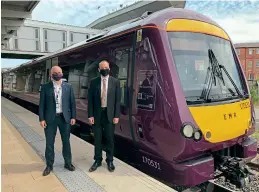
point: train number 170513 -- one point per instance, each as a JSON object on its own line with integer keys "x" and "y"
{"x": 151, "y": 163}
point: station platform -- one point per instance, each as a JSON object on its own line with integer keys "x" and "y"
{"x": 23, "y": 148}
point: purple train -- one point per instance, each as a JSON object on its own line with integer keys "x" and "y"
{"x": 185, "y": 106}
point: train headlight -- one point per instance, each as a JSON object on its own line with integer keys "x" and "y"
{"x": 187, "y": 131}
{"x": 197, "y": 135}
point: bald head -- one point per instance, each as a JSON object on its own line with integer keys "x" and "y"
{"x": 104, "y": 65}
{"x": 55, "y": 69}
{"x": 56, "y": 73}
{"x": 104, "y": 68}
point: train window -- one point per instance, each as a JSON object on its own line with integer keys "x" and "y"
{"x": 191, "y": 57}
{"x": 47, "y": 75}
{"x": 74, "y": 75}
{"x": 120, "y": 69}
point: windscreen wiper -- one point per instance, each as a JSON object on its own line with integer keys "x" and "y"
{"x": 207, "y": 84}
{"x": 216, "y": 72}
{"x": 214, "y": 61}
{"x": 212, "y": 72}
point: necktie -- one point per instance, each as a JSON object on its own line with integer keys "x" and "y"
{"x": 103, "y": 97}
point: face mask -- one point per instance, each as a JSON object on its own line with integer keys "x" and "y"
{"x": 104, "y": 72}
{"x": 57, "y": 77}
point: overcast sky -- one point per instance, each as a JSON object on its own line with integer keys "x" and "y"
{"x": 240, "y": 19}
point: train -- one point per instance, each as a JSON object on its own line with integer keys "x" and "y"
{"x": 186, "y": 108}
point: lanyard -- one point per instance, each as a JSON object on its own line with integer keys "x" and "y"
{"x": 57, "y": 94}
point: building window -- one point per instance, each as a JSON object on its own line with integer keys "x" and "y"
{"x": 250, "y": 51}
{"x": 257, "y": 63}
{"x": 16, "y": 43}
{"x": 36, "y": 33}
{"x": 257, "y": 51}
{"x": 45, "y": 34}
{"x": 37, "y": 46}
{"x": 64, "y": 45}
{"x": 46, "y": 46}
{"x": 238, "y": 51}
{"x": 71, "y": 37}
{"x": 250, "y": 64}
{"x": 251, "y": 76}
{"x": 64, "y": 36}
{"x": 87, "y": 36}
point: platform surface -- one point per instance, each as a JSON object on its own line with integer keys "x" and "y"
{"x": 21, "y": 166}
{"x": 28, "y": 136}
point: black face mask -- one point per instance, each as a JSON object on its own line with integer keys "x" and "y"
{"x": 104, "y": 72}
{"x": 57, "y": 77}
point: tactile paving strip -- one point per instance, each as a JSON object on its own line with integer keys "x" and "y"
{"x": 76, "y": 181}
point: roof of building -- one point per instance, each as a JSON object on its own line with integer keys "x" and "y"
{"x": 31, "y": 22}
{"x": 247, "y": 45}
{"x": 13, "y": 14}
{"x": 60, "y": 24}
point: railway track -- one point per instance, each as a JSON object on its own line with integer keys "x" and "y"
{"x": 210, "y": 186}
{"x": 253, "y": 166}
{"x": 216, "y": 187}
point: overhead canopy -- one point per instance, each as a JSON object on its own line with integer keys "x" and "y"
{"x": 132, "y": 12}
{"x": 13, "y": 14}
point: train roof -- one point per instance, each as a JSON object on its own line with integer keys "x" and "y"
{"x": 158, "y": 19}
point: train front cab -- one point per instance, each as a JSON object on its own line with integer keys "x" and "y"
{"x": 215, "y": 110}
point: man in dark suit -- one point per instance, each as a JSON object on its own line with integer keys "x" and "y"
{"x": 103, "y": 112}
{"x": 57, "y": 109}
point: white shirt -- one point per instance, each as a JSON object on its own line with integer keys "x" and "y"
{"x": 58, "y": 97}
{"x": 107, "y": 79}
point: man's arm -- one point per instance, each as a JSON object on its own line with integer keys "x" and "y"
{"x": 117, "y": 99}
{"x": 73, "y": 103}
{"x": 42, "y": 103}
{"x": 90, "y": 100}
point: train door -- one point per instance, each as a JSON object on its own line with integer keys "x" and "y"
{"x": 144, "y": 84}
{"x": 122, "y": 72}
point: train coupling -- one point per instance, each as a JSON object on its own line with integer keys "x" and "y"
{"x": 235, "y": 170}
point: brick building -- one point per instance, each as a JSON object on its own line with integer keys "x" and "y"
{"x": 248, "y": 54}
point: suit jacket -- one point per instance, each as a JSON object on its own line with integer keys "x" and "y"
{"x": 47, "y": 107}
{"x": 113, "y": 99}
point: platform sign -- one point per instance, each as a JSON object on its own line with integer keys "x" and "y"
{"x": 139, "y": 35}
{"x": 146, "y": 95}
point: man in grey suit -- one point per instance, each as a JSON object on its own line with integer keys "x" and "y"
{"x": 57, "y": 109}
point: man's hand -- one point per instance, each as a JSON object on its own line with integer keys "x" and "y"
{"x": 91, "y": 120}
{"x": 72, "y": 121}
{"x": 43, "y": 124}
{"x": 115, "y": 120}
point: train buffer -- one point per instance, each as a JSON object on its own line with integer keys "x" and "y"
{"x": 23, "y": 148}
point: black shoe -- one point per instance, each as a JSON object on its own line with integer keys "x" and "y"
{"x": 47, "y": 171}
{"x": 95, "y": 166}
{"x": 111, "y": 167}
{"x": 70, "y": 167}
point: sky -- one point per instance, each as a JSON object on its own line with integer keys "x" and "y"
{"x": 239, "y": 18}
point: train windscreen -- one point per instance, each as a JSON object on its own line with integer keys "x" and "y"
{"x": 206, "y": 67}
